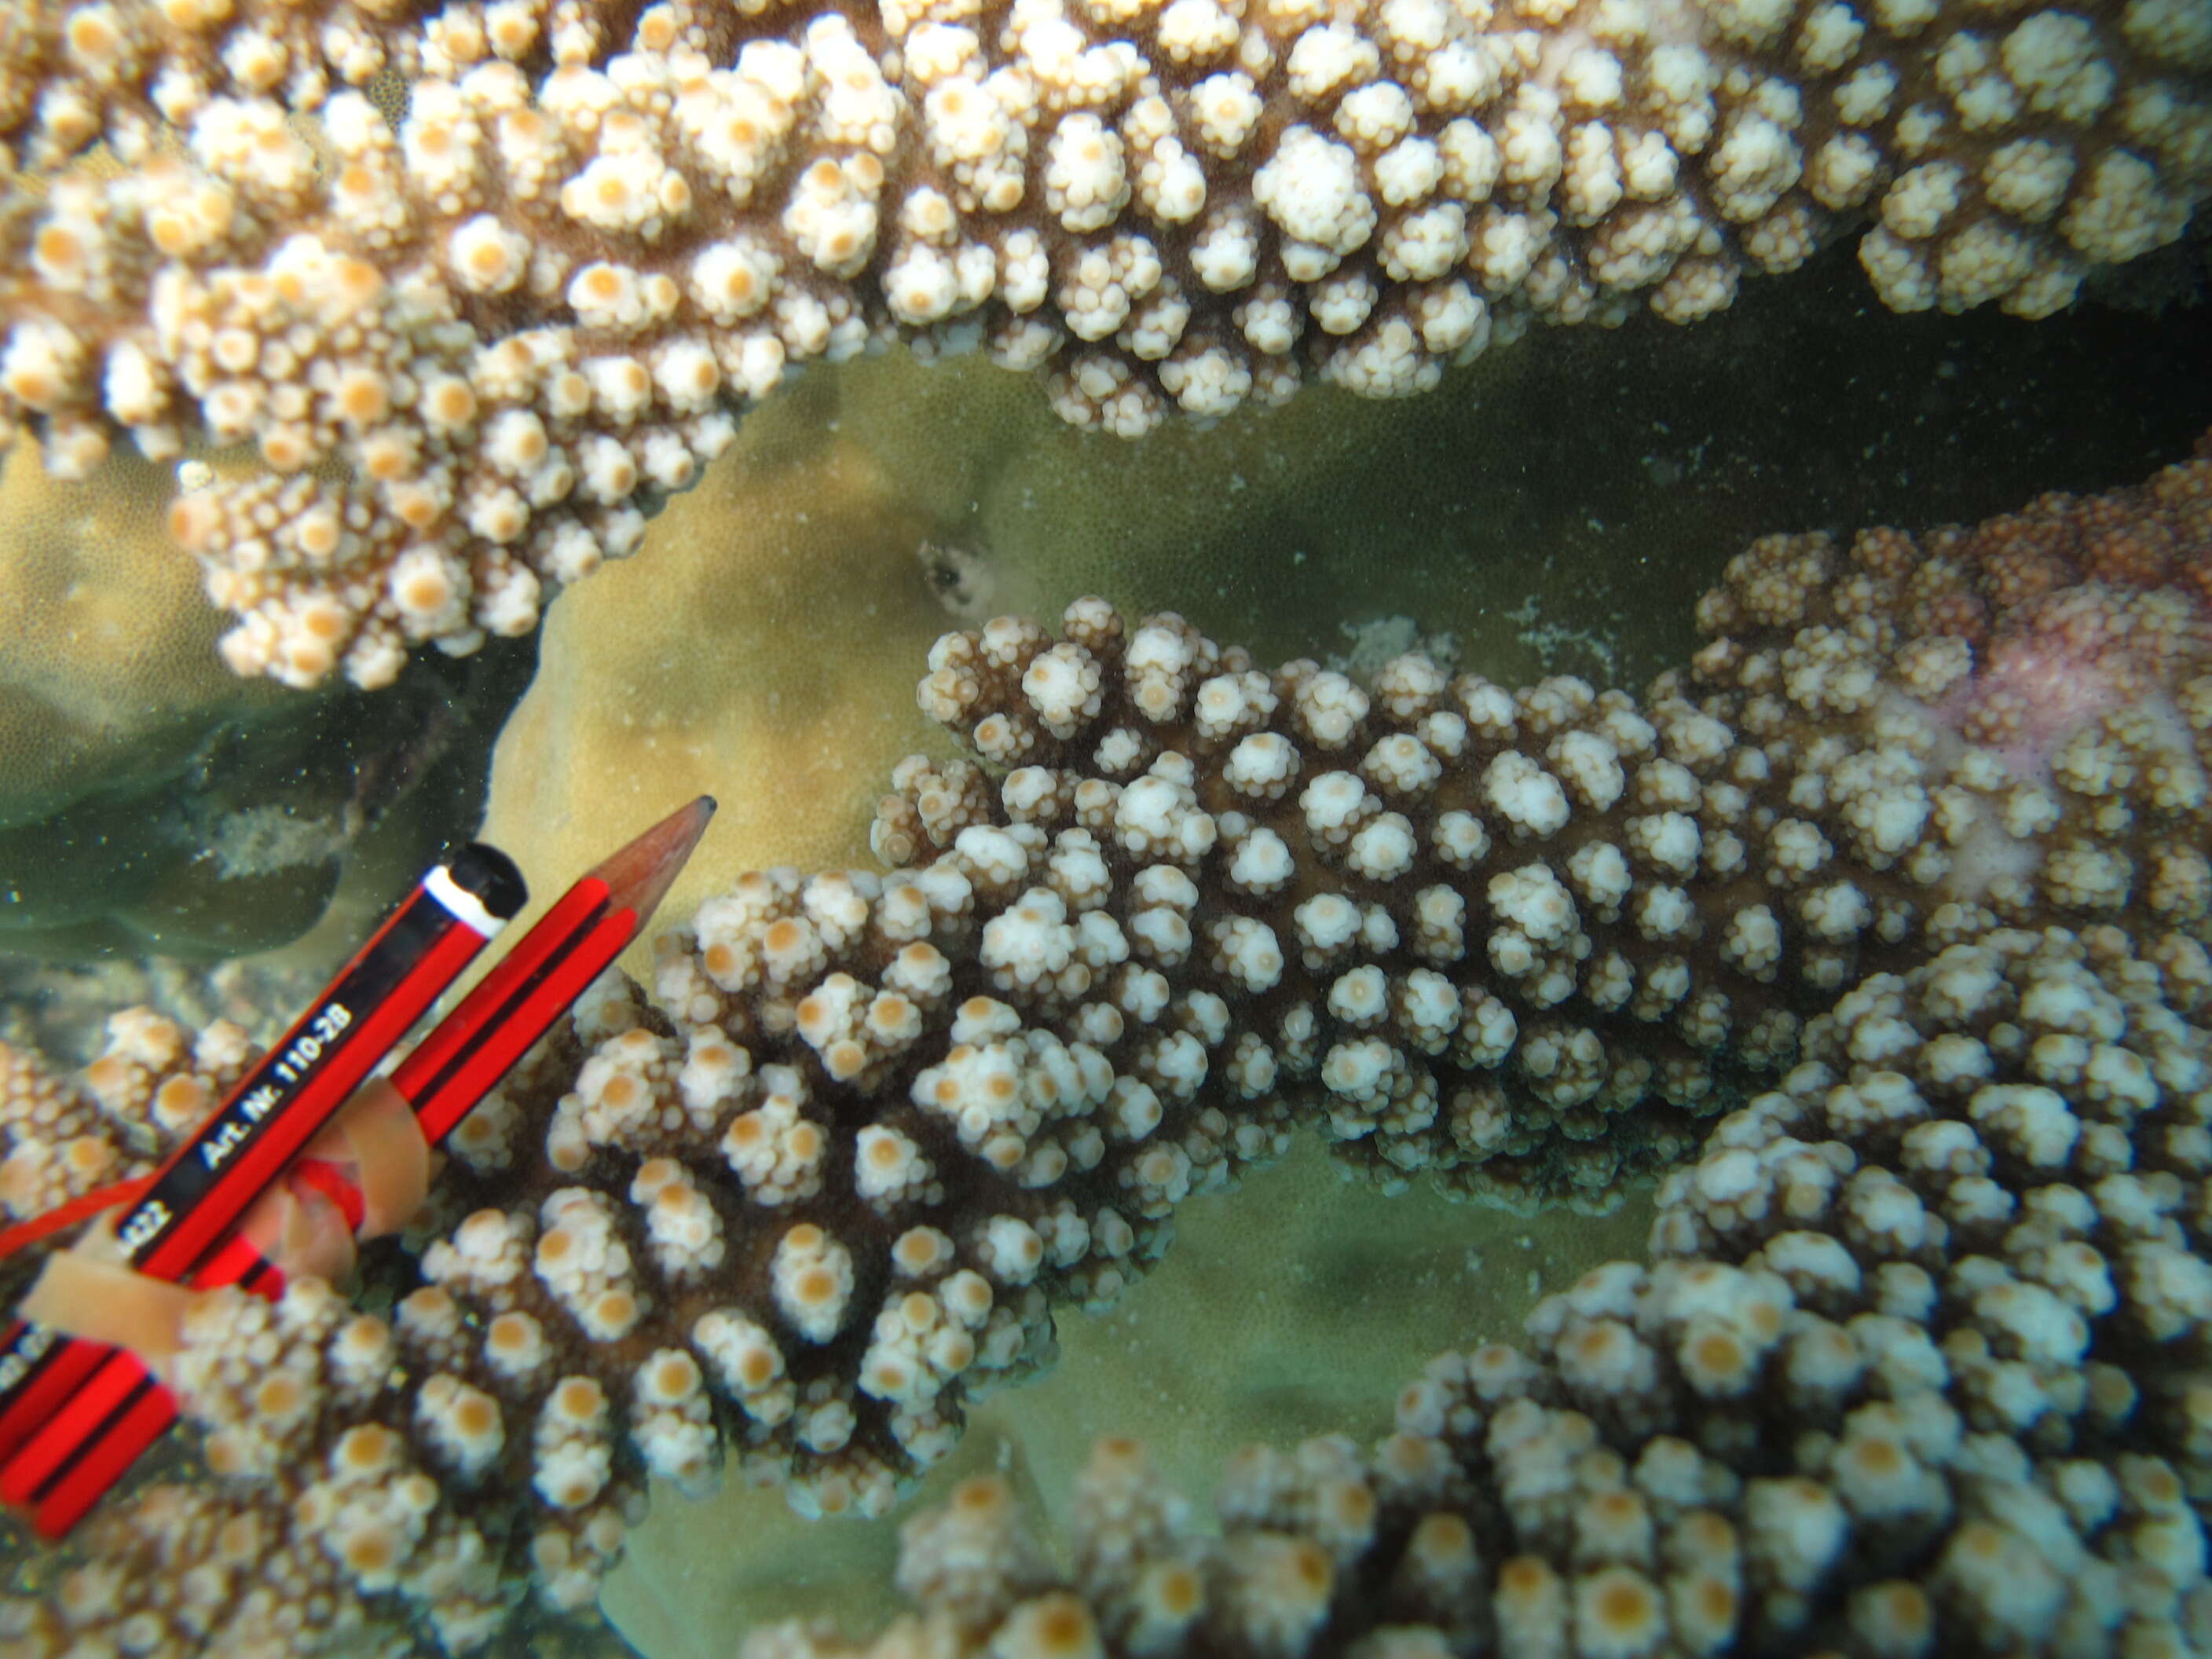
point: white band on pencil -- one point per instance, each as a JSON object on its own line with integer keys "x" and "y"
{"x": 466, "y": 906}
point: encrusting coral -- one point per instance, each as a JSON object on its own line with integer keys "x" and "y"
{"x": 1924, "y": 820}
{"x": 523, "y": 306}
{"x": 107, "y": 671}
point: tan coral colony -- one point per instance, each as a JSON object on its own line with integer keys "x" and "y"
{"x": 480, "y": 282}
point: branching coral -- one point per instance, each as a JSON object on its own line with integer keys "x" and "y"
{"x": 525, "y": 306}
{"x": 1916, "y": 1368}
{"x": 876, "y": 1126}
{"x": 150, "y": 1086}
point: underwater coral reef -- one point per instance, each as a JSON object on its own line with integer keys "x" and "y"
{"x": 1894, "y": 895}
{"x": 1911, "y": 1372}
{"x": 480, "y": 282}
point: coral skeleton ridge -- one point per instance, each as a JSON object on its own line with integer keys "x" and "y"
{"x": 1895, "y": 899}
{"x": 481, "y": 283}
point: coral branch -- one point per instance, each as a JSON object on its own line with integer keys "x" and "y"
{"x": 1915, "y": 1370}
{"x": 473, "y": 326}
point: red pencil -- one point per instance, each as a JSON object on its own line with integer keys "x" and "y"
{"x": 121, "y": 1409}
{"x": 201, "y": 1189}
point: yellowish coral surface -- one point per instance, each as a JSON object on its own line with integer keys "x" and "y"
{"x": 764, "y": 648}
{"x": 107, "y": 663}
{"x": 766, "y": 658}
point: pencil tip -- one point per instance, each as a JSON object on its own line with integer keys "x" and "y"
{"x": 639, "y": 875}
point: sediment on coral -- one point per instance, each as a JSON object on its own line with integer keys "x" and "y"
{"x": 873, "y": 1128}
{"x": 518, "y": 299}
{"x": 1916, "y": 1368}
